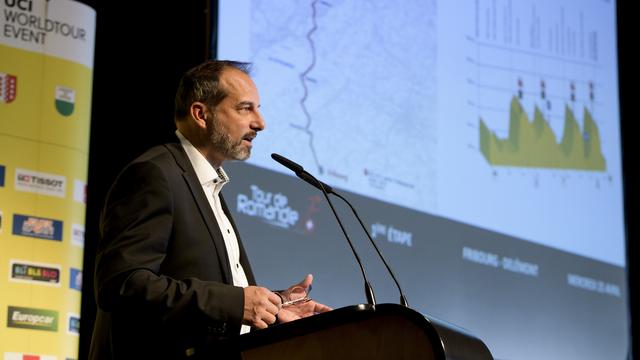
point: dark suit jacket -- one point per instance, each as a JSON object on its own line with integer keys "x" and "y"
{"x": 163, "y": 279}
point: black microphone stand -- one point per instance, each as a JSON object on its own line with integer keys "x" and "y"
{"x": 368, "y": 289}
{"x": 302, "y": 174}
{"x": 403, "y": 299}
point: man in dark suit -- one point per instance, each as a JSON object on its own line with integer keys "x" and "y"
{"x": 171, "y": 272}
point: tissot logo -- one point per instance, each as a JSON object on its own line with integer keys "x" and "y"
{"x": 8, "y": 87}
{"x": 41, "y": 228}
{"x": 270, "y": 207}
{"x": 40, "y": 183}
{"x": 24, "y": 271}
{"x": 30, "y": 318}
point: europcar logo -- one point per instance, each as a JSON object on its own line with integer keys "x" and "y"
{"x": 37, "y": 227}
{"x": 24, "y": 271}
{"x": 65, "y": 100}
{"x": 271, "y": 208}
{"x": 41, "y": 183}
{"x": 8, "y": 87}
{"x": 20, "y": 356}
{"x": 30, "y": 318}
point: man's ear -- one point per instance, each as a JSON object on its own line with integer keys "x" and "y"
{"x": 199, "y": 113}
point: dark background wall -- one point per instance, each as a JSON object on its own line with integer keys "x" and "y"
{"x": 627, "y": 61}
{"x": 142, "y": 48}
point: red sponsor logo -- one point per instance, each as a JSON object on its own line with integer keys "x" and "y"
{"x": 8, "y": 87}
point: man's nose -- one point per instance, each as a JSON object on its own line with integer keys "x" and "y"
{"x": 258, "y": 123}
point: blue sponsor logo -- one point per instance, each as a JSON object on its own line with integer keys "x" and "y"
{"x": 2, "y": 176}
{"x": 37, "y": 227}
{"x": 75, "y": 280}
{"x": 74, "y": 325}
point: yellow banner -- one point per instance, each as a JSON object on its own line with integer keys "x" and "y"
{"x": 46, "y": 69}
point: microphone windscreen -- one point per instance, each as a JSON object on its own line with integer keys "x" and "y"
{"x": 287, "y": 163}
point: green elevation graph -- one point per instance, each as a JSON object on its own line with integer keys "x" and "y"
{"x": 533, "y": 143}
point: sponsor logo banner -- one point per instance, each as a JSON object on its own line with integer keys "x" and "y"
{"x": 30, "y": 318}
{"x": 37, "y": 227}
{"x": 64, "y": 29}
{"x": 73, "y": 324}
{"x": 20, "y": 356}
{"x": 41, "y": 183}
{"x": 8, "y": 87}
{"x": 65, "y": 100}
{"x": 2, "y": 171}
{"x": 77, "y": 234}
{"x": 24, "y": 271}
{"x": 75, "y": 279}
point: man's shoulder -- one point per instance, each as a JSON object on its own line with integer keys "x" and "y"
{"x": 161, "y": 153}
{"x": 165, "y": 160}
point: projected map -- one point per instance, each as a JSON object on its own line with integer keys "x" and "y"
{"x": 490, "y": 114}
{"x": 478, "y": 139}
{"x": 349, "y": 93}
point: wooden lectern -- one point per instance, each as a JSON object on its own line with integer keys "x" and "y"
{"x": 384, "y": 331}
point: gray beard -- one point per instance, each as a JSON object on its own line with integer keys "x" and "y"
{"x": 224, "y": 143}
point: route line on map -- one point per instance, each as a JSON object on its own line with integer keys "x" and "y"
{"x": 303, "y": 80}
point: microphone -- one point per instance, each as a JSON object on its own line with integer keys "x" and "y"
{"x": 288, "y": 163}
{"x": 301, "y": 173}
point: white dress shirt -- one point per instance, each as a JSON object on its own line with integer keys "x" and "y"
{"x": 212, "y": 180}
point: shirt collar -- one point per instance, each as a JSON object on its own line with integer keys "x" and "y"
{"x": 205, "y": 172}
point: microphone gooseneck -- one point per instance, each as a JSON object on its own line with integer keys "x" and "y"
{"x": 300, "y": 172}
{"x": 403, "y": 299}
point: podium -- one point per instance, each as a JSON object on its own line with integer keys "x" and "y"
{"x": 384, "y": 331}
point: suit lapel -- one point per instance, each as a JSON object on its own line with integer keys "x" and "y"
{"x": 204, "y": 207}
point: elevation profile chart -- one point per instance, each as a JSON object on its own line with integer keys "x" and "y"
{"x": 532, "y": 143}
{"x": 531, "y": 131}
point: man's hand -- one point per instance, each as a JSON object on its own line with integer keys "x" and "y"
{"x": 260, "y": 307}
{"x": 304, "y": 309}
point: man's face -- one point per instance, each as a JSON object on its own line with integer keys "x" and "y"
{"x": 236, "y": 120}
